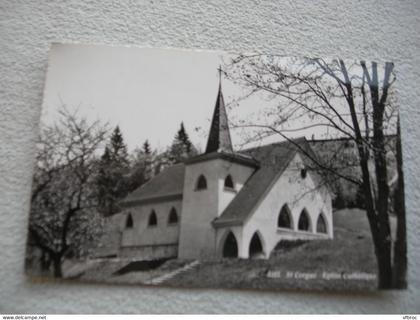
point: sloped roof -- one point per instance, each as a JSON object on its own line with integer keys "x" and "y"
{"x": 236, "y": 157}
{"x": 168, "y": 184}
{"x": 219, "y": 136}
{"x": 273, "y": 159}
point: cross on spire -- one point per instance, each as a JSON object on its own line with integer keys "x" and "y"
{"x": 220, "y": 75}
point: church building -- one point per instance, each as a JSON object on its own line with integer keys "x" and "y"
{"x": 227, "y": 203}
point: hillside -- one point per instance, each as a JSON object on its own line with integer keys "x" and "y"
{"x": 351, "y": 251}
{"x": 311, "y": 265}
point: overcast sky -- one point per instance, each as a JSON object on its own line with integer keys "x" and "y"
{"x": 147, "y": 92}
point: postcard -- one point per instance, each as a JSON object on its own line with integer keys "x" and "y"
{"x": 207, "y": 169}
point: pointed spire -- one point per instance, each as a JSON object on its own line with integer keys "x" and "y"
{"x": 219, "y": 136}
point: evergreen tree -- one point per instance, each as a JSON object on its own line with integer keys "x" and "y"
{"x": 141, "y": 166}
{"x": 146, "y": 148}
{"x": 148, "y": 161}
{"x": 112, "y": 180}
{"x": 181, "y": 148}
{"x": 118, "y": 148}
{"x": 184, "y": 138}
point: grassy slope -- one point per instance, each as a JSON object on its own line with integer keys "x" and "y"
{"x": 111, "y": 271}
{"x": 350, "y": 251}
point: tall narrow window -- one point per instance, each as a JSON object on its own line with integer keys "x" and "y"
{"x": 173, "y": 217}
{"x": 129, "y": 222}
{"x": 230, "y": 247}
{"x": 321, "y": 225}
{"x": 284, "y": 220}
{"x": 304, "y": 221}
{"x": 152, "y": 219}
{"x": 229, "y": 182}
{"x": 303, "y": 173}
{"x": 201, "y": 183}
{"x": 256, "y": 247}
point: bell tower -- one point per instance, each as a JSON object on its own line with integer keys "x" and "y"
{"x": 205, "y": 194}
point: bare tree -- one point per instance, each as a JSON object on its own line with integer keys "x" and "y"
{"x": 64, "y": 196}
{"x": 339, "y": 99}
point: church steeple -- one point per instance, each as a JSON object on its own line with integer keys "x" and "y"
{"x": 219, "y": 135}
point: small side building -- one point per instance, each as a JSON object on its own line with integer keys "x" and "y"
{"x": 153, "y": 217}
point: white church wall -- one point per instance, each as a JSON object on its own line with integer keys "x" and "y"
{"x": 144, "y": 239}
{"x": 150, "y": 252}
{"x": 239, "y": 174}
{"x": 201, "y": 207}
{"x": 298, "y": 193}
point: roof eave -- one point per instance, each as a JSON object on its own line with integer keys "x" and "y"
{"x": 233, "y": 157}
{"x": 135, "y": 202}
{"x": 226, "y": 223}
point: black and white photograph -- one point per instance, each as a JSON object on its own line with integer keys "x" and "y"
{"x": 208, "y": 169}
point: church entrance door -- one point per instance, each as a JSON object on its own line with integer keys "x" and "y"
{"x": 230, "y": 248}
{"x": 255, "y": 247}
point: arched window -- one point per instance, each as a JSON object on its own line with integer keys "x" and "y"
{"x": 230, "y": 247}
{"x": 229, "y": 182}
{"x": 256, "y": 247}
{"x": 201, "y": 183}
{"x": 152, "y": 219}
{"x": 304, "y": 221}
{"x": 303, "y": 173}
{"x": 129, "y": 222}
{"x": 284, "y": 220}
{"x": 173, "y": 217}
{"x": 321, "y": 225}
